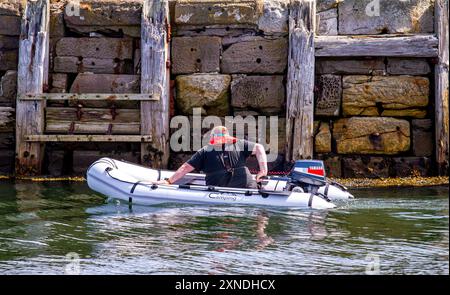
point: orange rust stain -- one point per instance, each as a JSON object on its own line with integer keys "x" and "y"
{"x": 421, "y": 82}
{"x": 86, "y": 6}
{"x": 114, "y": 84}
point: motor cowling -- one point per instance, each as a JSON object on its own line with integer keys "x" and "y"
{"x": 307, "y": 174}
{"x": 310, "y": 177}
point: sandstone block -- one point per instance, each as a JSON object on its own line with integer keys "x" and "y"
{"x": 105, "y": 83}
{"x": 333, "y": 166}
{"x": 8, "y": 87}
{"x": 7, "y": 119}
{"x": 411, "y": 166}
{"x": 244, "y": 112}
{"x": 10, "y": 25}
{"x": 328, "y": 95}
{"x": 254, "y": 128}
{"x": 203, "y": 131}
{"x": 258, "y": 55}
{"x": 106, "y": 16}
{"x": 219, "y": 31}
{"x": 322, "y": 5}
{"x": 327, "y": 22}
{"x": 275, "y": 138}
{"x": 206, "y": 91}
{"x": 368, "y": 135}
{"x": 104, "y": 48}
{"x": 57, "y": 26}
{"x": 213, "y": 12}
{"x": 422, "y": 137}
{"x": 72, "y": 64}
{"x": 322, "y": 137}
{"x": 195, "y": 54}
{"x": 9, "y": 43}
{"x": 385, "y": 96}
{"x": 274, "y": 18}
{"x": 381, "y": 17}
{"x": 413, "y": 113}
{"x": 11, "y": 7}
{"x": 354, "y": 66}
{"x": 365, "y": 167}
{"x": 110, "y": 31}
{"x": 408, "y": 66}
{"x": 59, "y": 80}
{"x": 8, "y": 60}
{"x": 58, "y": 102}
{"x": 266, "y": 94}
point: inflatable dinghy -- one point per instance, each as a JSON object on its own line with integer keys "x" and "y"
{"x": 133, "y": 183}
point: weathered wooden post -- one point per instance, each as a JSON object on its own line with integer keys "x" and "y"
{"x": 441, "y": 87}
{"x": 300, "y": 81}
{"x": 155, "y": 79}
{"x": 32, "y": 76}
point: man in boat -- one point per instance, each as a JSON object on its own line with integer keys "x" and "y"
{"x": 223, "y": 161}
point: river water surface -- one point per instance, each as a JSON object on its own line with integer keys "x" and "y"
{"x": 58, "y": 228}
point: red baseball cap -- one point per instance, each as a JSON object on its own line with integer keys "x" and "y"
{"x": 220, "y": 135}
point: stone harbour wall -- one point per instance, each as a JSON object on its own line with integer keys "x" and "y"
{"x": 374, "y": 116}
{"x": 229, "y": 58}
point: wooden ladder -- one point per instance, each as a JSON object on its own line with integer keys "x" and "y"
{"x": 33, "y": 77}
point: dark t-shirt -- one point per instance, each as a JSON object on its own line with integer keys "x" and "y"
{"x": 214, "y": 161}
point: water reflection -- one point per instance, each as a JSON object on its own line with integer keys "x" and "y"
{"x": 27, "y": 230}
{"x": 40, "y": 224}
{"x": 264, "y": 239}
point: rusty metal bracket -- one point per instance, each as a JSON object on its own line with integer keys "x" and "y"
{"x": 79, "y": 111}
{"x": 71, "y": 127}
{"x": 169, "y": 30}
{"x": 113, "y": 111}
{"x": 109, "y": 131}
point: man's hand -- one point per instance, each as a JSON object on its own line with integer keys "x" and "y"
{"x": 180, "y": 173}
{"x": 163, "y": 181}
{"x": 260, "y": 176}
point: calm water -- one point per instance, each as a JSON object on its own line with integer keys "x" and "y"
{"x": 44, "y": 226}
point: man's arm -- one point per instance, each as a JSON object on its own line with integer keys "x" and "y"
{"x": 260, "y": 153}
{"x": 180, "y": 173}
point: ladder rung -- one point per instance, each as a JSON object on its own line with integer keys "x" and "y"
{"x": 91, "y": 96}
{"x": 87, "y": 138}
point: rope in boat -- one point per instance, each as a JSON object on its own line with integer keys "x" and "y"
{"x": 283, "y": 173}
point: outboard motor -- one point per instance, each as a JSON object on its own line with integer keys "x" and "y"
{"x": 309, "y": 176}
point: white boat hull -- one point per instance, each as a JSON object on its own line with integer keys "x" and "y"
{"x": 132, "y": 183}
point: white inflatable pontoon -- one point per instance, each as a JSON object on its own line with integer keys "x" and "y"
{"x": 133, "y": 183}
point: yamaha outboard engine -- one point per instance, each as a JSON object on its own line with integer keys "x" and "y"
{"x": 308, "y": 174}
